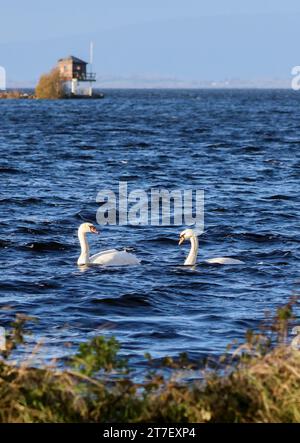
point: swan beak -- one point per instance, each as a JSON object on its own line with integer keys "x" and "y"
{"x": 181, "y": 240}
{"x": 94, "y": 230}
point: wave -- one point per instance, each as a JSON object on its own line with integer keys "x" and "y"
{"x": 258, "y": 238}
{"x": 125, "y": 300}
{"x": 48, "y": 246}
{"x": 21, "y": 202}
{"x": 280, "y": 197}
{"x": 9, "y": 170}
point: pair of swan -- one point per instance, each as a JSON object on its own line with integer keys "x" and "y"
{"x": 112, "y": 257}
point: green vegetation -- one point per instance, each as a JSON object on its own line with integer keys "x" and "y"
{"x": 258, "y": 382}
{"x": 50, "y": 86}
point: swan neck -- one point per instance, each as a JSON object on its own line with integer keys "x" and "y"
{"x": 192, "y": 257}
{"x": 84, "y": 256}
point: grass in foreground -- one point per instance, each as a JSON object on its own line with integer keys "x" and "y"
{"x": 259, "y": 382}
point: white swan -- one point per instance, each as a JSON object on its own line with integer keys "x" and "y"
{"x": 295, "y": 343}
{"x": 111, "y": 257}
{"x": 189, "y": 234}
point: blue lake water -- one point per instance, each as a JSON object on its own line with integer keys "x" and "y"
{"x": 240, "y": 147}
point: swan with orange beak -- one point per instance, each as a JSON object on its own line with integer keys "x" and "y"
{"x": 110, "y": 257}
{"x": 189, "y": 234}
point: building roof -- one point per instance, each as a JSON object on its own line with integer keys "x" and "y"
{"x": 73, "y": 59}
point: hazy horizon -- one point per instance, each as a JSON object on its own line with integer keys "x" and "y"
{"x": 198, "y": 44}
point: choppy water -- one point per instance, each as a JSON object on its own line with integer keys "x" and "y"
{"x": 241, "y": 147}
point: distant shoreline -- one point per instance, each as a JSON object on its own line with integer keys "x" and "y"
{"x": 28, "y": 94}
{"x": 30, "y": 91}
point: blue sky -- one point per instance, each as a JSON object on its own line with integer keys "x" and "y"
{"x": 188, "y": 40}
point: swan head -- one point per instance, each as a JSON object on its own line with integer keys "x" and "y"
{"x": 186, "y": 235}
{"x": 86, "y": 228}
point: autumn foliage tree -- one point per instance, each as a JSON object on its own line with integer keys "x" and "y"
{"x": 50, "y": 86}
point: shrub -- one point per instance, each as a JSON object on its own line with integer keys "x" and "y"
{"x": 259, "y": 382}
{"x": 50, "y": 86}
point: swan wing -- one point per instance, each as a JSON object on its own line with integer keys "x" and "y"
{"x": 99, "y": 254}
{"x": 112, "y": 257}
{"x": 224, "y": 261}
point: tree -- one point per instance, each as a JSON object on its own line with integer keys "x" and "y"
{"x": 50, "y": 86}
